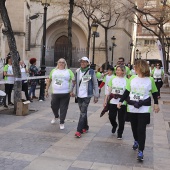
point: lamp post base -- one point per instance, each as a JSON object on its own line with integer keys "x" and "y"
{"x": 42, "y": 85}
{"x": 93, "y": 66}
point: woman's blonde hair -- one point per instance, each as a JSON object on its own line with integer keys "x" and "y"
{"x": 123, "y": 68}
{"x": 63, "y": 60}
{"x": 143, "y": 67}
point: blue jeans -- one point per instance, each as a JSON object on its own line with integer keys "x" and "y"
{"x": 83, "y": 105}
{"x": 32, "y": 90}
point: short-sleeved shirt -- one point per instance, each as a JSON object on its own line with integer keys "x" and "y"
{"x": 106, "y": 81}
{"x": 9, "y": 70}
{"x": 118, "y": 85}
{"x": 157, "y": 73}
{"x": 140, "y": 89}
{"x": 61, "y": 80}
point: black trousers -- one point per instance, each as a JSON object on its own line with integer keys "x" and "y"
{"x": 113, "y": 112}
{"x": 138, "y": 125}
{"x": 25, "y": 89}
{"x": 158, "y": 85}
{"x": 8, "y": 91}
{"x": 60, "y": 102}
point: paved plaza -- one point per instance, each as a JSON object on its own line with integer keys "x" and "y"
{"x": 32, "y": 143}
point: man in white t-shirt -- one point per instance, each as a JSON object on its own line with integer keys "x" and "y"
{"x": 86, "y": 87}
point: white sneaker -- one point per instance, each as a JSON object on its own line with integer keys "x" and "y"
{"x": 53, "y": 120}
{"x": 61, "y": 126}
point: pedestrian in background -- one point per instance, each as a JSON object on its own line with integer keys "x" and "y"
{"x": 86, "y": 87}
{"x": 33, "y": 71}
{"x": 138, "y": 96}
{"x": 24, "y": 75}
{"x": 61, "y": 79}
{"x": 9, "y": 77}
{"x": 158, "y": 74}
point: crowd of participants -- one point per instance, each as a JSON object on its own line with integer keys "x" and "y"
{"x": 127, "y": 88}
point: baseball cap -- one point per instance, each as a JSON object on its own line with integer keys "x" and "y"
{"x": 84, "y": 59}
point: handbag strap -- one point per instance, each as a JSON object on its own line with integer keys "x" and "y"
{"x": 82, "y": 76}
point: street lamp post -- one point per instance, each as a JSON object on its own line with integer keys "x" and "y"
{"x": 131, "y": 47}
{"x": 94, "y": 29}
{"x": 113, "y": 45}
{"x": 168, "y": 45}
{"x": 45, "y": 3}
{"x": 137, "y": 52}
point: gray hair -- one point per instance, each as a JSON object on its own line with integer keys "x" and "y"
{"x": 63, "y": 60}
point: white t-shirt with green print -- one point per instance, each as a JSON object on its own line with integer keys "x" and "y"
{"x": 140, "y": 89}
{"x": 118, "y": 85}
{"x": 61, "y": 80}
{"x": 106, "y": 81}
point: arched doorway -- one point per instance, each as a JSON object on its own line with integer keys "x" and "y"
{"x": 61, "y": 48}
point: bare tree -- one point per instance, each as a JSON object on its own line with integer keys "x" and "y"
{"x": 153, "y": 18}
{"x": 88, "y": 8}
{"x": 13, "y": 50}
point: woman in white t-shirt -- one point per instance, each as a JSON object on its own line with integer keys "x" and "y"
{"x": 138, "y": 96}
{"x": 61, "y": 80}
{"x": 9, "y": 77}
{"x": 158, "y": 74}
{"x": 116, "y": 89}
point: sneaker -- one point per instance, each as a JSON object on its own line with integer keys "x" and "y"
{"x": 34, "y": 97}
{"x": 114, "y": 129}
{"x": 53, "y": 120}
{"x": 10, "y": 104}
{"x": 61, "y": 126}
{"x": 84, "y": 131}
{"x": 119, "y": 136}
{"x": 78, "y": 134}
{"x": 140, "y": 156}
{"x": 135, "y": 146}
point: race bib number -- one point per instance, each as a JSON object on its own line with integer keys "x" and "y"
{"x": 118, "y": 91}
{"x": 86, "y": 78}
{"x": 136, "y": 96}
{"x": 58, "y": 82}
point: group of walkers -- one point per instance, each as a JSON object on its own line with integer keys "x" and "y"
{"x": 9, "y": 77}
{"x": 126, "y": 95}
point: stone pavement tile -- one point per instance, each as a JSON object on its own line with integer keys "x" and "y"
{"x": 161, "y": 166}
{"x": 165, "y": 161}
{"x": 101, "y": 166}
{"x": 72, "y": 142}
{"x": 74, "y": 168}
{"x": 6, "y": 120}
{"x": 17, "y": 156}
{"x": 33, "y": 144}
{"x": 141, "y": 168}
{"x": 168, "y": 135}
{"x": 162, "y": 133}
{"x": 120, "y": 167}
{"x": 62, "y": 153}
{"x": 82, "y": 164}
{"x": 161, "y": 153}
{"x": 12, "y": 164}
{"x": 48, "y": 163}
{"x": 160, "y": 139}
{"x": 116, "y": 154}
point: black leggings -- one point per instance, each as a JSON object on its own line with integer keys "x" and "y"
{"x": 8, "y": 91}
{"x": 138, "y": 125}
{"x": 113, "y": 111}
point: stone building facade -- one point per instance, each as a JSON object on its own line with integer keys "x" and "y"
{"x": 28, "y": 33}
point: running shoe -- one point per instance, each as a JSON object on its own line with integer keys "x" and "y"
{"x": 84, "y": 131}
{"x": 119, "y": 136}
{"x": 53, "y": 120}
{"x": 135, "y": 146}
{"x": 78, "y": 134}
{"x": 114, "y": 129}
{"x": 140, "y": 156}
{"x": 61, "y": 126}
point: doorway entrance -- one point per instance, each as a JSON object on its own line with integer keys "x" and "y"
{"x": 61, "y": 48}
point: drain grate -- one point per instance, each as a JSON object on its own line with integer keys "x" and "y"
{"x": 165, "y": 92}
{"x": 169, "y": 124}
{"x": 167, "y": 102}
